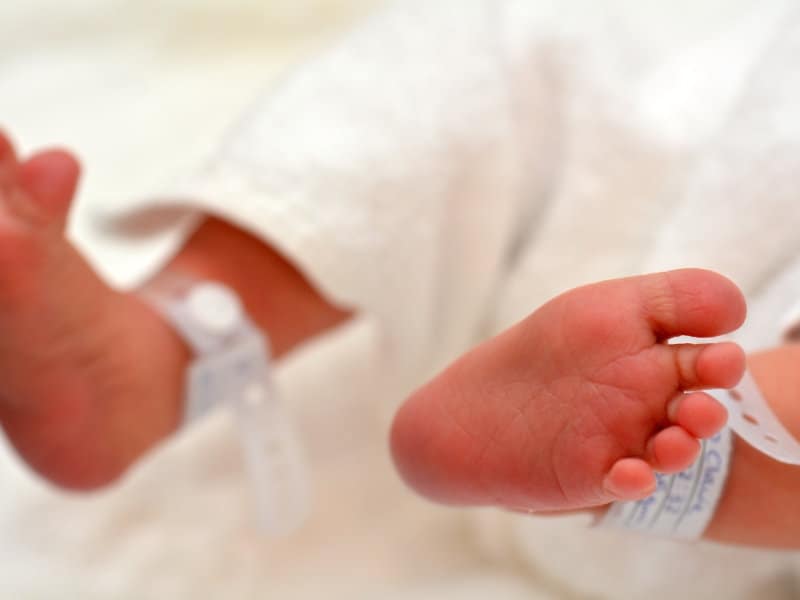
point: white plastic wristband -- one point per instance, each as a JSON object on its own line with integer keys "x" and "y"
{"x": 232, "y": 367}
{"x": 683, "y": 504}
{"x": 752, "y": 419}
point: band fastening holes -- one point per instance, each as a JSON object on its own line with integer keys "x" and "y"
{"x": 750, "y": 419}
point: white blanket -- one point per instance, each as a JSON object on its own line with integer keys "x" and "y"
{"x": 445, "y": 169}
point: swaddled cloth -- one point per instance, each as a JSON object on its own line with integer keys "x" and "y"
{"x": 452, "y": 165}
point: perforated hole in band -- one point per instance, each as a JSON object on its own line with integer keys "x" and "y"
{"x": 752, "y": 419}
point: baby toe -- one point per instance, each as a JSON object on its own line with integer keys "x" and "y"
{"x": 692, "y": 302}
{"x": 702, "y": 366}
{"x": 672, "y": 450}
{"x": 630, "y": 479}
{"x": 50, "y": 179}
{"x": 698, "y": 413}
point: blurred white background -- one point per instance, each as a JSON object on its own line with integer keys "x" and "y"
{"x": 142, "y": 90}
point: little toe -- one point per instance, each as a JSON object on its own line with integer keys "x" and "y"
{"x": 698, "y": 413}
{"x": 630, "y": 479}
{"x": 672, "y": 450}
{"x": 51, "y": 179}
{"x": 703, "y": 366}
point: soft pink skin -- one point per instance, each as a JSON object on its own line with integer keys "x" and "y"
{"x": 91, "y": 379}
{"x": 568, "y": 409}
{"x": 67, "y": 386}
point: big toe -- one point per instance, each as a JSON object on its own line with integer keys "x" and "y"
{"x": 692, "y": 302}
{"x": 51, "y": 179}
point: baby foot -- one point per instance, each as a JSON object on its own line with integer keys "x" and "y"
{"x": 37, "y": 284}
{"x": 580, "y": 403}
{"x": 70, "y": 347}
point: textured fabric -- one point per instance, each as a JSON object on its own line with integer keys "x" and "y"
{"x": 451, "y": 165}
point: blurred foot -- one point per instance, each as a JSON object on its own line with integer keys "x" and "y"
{"x": 70, "y": 347}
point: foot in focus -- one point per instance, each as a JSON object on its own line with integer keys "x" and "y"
{"x": 582, "y": 402}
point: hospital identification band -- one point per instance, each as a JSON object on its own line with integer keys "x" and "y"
{"x": 683, "y": 503}
{"x": 231, "y": 367}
